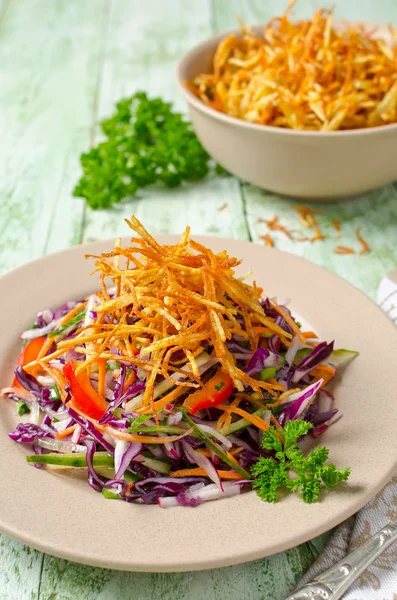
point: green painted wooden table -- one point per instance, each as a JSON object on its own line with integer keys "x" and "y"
{"x": 63, "y": 64}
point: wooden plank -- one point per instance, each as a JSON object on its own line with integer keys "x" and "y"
{"x": 268, "y": 579}
{"x": 49, "y": 52}
{"x": 254, "y": 11}
{"x": 364, "y": 10}
{"x": 4, "y": 7}
{"x": 141, "y": 53}
{"x": 257, "y": 11}
{"x": 20, "y": 570}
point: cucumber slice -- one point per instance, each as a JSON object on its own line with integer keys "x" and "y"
{"x": 341, "y": 357}
{"x": 71, "y": 460}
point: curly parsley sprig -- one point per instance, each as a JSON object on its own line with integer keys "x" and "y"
{"x": 146, "y": 142}
{"x": 291, "y": 469}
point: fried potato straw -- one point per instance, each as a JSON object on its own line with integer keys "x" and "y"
{"x": 167, "y": 304}
{"x": 307, "y": 75}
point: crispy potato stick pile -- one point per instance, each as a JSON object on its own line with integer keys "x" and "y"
{"x": 304, "y": 75}
{"x": 171, "y": 302}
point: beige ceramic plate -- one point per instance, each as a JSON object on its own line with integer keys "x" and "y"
{"x": 65, "y": 517}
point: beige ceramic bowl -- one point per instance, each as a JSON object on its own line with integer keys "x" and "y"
{"x": 314, "y": 165}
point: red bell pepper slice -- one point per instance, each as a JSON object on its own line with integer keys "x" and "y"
{"x": 84, "y": 395}
{"x": 216, "y": 390}
{"x": 28, "y": 355}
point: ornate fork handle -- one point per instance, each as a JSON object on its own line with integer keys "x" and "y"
{"x": 334, "y": 582}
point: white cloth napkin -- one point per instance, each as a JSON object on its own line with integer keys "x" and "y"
{"x": 379, "y": 581}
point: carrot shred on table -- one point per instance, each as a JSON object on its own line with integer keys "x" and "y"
{"x": 268, "y": 240}
{"x": 343, "y": 250}
{"x": 336, "y": 225}
{"x": 275, "y": 225}
{"x": 307, "y": 215}
{"x": 364, "y": 246}
{"x": 222, "y": 207}
{"x": 318, "y": 235}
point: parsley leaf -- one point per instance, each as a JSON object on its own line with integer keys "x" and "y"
{"x": 146, "y": 142}
{"x": 219, "y": 386}
{"x": 290, "y": 468}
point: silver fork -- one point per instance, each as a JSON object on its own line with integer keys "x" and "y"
{"x": 333, "y": 583}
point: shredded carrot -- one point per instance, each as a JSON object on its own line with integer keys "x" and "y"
{"x": 49, "y": 341}
{"x": 324, "y": 369}
{"x": 231, "y": 457}
{"x": 236, "y": 451}
{"x": 101, "y": 362}
{"x": 274, "y": 421}
{"x": 142, "y": 439}
{"x": 323, "y": 372}
{"x": 310, "y": 335}
{"x": 364, "y": 246}
{"x": 14, "y": 390}
{"x": 336, "y": 225}
{"x": 262, "y": 330}
{"x": 58, "y": 376}
{"x": 225, "y": 419}
{"x": 290, "y": 321}
{"x": 343, "y": 250}
{"x": 130, "y": 380}
{"x": 129, "y": 487}
{"x": 159, "y": 404}
{"x": 222, "y": 207}
{"x": 257, "y": 421}
{"x": 199, "y": 472}
{"x": 62, "y": 434}
{"x": 268, "y": 240}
